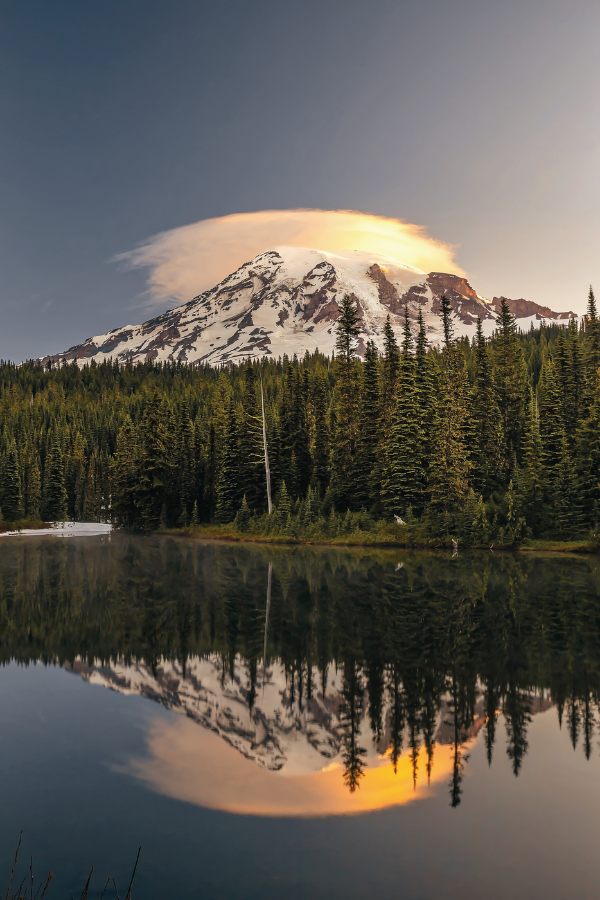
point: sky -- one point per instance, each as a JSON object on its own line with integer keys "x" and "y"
{"x": 474, "y": 124}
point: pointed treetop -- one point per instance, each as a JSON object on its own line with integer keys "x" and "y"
{"x": 407, "y": 339}
{"x": 592, "y": 312}
{"x": 448, "y": 328}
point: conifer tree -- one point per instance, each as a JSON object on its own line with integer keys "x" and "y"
{"x": 391, "y": 367}
{"x": 242, "y": 519}
{"x": 551, "y": 432}
{"x": 229, "y": 485}
{"x": 123, "y": 476}
{"x": 575, "y": 392}
{"x": 78, "y": 475}
{"x": 487, "y": 426}
{"x": 299, "y": 431}
{"x": 510, "y": 386}
{"x": 34, "y": 490}
{"x": 155, "y": 465}
{"x": 369, "y": 435}
{"x": 403, "y": 483}
{"x": 12, "y": 498}
{"x": 530, "y": 476}
{"x": 449, "y": 465}
{"x": 344, "y": 439}
{"x": 92, "y": 494}
{"x": 55, "y": 493}
{"x": 283, "y": 506}
{"x": 592, "y": 346}
{"x": 320, "y": 442}
{"x": 425, "y": 378}
{"x": 588, "y": 464}
{"x": 251, "y": 451}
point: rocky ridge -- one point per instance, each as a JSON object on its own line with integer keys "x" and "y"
{"x": 287, "y": 301}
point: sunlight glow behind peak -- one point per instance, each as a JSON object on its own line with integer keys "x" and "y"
{"x": 185, "y": 261}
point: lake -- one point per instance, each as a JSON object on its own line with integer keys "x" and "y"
{"x": 293, "y": 722}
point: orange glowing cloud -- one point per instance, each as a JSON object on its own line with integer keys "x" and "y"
{"x": 193, "y": 764}
{"x": 185, "y": 261}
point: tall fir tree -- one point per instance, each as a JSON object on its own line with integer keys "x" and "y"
{"x": 124, "y": 468}
{"x": 229, "y": 485}
{"x": 33, "y": 496}
{"x": 320, "y": 435}
{"x": 344, "y": 438}
{"x": 155, "y": 465}
{"x": 391, "y": 368}
{"x": 449, "y": 466}
{"x": 592, "y": 347}
{"x": 369, "y": 435}
{"x": 403, "y": 485}
{"x": 552, "y": 436}
{"x": 55, "y": 492}
{"x": 510, "y": 375}
{"x": 487, "y": 424}
{"x": 530, "y": 491}
{"x": 12, "y": 496}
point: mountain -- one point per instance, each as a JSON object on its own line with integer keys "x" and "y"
{"x": 286, "y": 300}
{"x": 283, "y": 731}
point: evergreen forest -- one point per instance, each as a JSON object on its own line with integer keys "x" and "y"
{"x": 485, "y": 440}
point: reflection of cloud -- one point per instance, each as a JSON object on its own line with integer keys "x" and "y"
{"x": 185, "y": 261}
{"x": 195, "y": 765}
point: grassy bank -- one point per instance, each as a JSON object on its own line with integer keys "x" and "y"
{"x": 22, "y": 524}
{"x": 384, "y": 535}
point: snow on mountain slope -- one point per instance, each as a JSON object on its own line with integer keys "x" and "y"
{"x": 283, "y": 732}
{"x": 286, "y": 301}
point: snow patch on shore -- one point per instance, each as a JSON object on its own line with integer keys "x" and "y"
{"x": 64, "y": 529}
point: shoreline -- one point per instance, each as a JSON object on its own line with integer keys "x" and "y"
{"x": 210, "y": 533}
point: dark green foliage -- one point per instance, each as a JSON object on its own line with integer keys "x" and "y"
{"x": 229, "y": 484}
{"x": 592, "y": 346}
{"x": 510, "y": 386}
{"x": 12, "y": 498}
{"x": 404, "y": 483}
{"x": 530, "y": 479}
{"x": 155, "y": 466}
{"x": 347, "y": 387}
{"x": 487, "y": 425}
{"x": 55, "y": 493}
{"x": 391, "y": 367}
{"x": 433, "y": 435}
{"x": 449, "y": 466}
{"x": 369, "y": 430}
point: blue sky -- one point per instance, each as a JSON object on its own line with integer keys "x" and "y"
{"x": 477, "y": 120}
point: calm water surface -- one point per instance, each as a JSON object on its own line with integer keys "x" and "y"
{"x": 294, "y": 722}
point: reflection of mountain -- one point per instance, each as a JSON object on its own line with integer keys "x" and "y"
{"x": 281, "y": 732}
{"x": 277, "y": 732}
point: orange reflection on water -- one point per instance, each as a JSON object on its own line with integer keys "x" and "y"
{"x": 193, "y": 764}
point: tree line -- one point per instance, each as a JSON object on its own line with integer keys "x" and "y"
{"x": 489, "y": 438}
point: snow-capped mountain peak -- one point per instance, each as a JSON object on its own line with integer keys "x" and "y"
{"x": 287, "y": 300}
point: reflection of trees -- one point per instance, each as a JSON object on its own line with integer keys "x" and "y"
{"x": 516, "y": 713}
{"x": 351, "y": 717}
{"x": 470, "y": 635}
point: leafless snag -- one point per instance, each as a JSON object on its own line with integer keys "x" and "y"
{"x": 128, "y": 897}
{"x": 87, "y": 886}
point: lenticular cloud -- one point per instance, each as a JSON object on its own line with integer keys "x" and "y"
{"x": 185, "y": 261}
